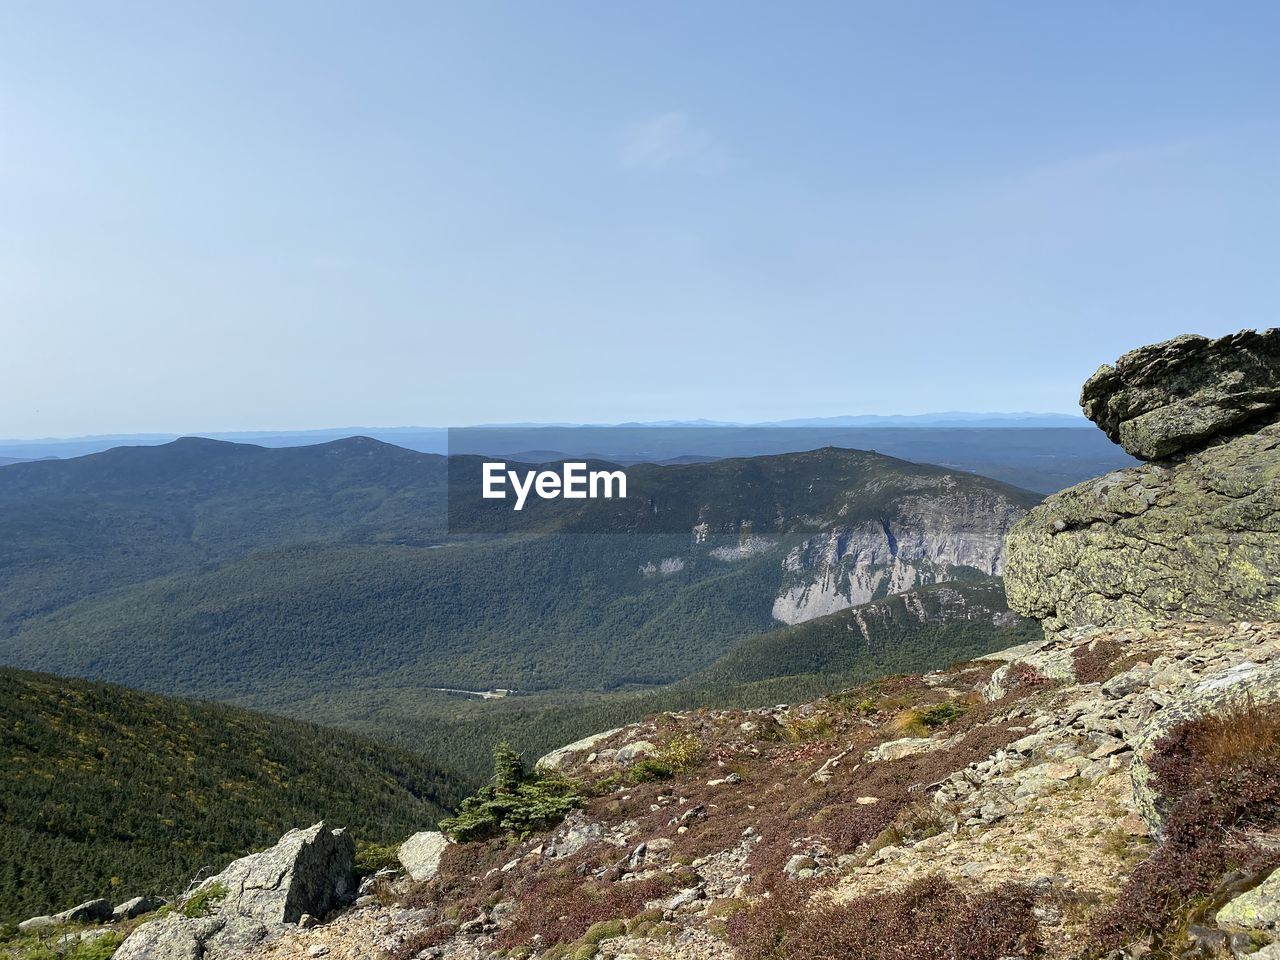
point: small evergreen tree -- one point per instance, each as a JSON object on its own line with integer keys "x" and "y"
{"x": 514, "y": 801}
{"x": 508, "y": 768}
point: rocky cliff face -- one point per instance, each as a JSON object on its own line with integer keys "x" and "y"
{"x": 942, "y": 605}
{"x": 1195, "y": 531}
{"x": 932, "y": 536}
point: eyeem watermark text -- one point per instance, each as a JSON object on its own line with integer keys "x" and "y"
{"x": 573, "y": 482}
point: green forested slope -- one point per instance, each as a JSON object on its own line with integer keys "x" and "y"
{"x": 73, "y": 529}
{"x": 273, "y": 576}
{"x": 322, "y": 583}
{"x": 925, "y": 628}
{"x": 109, "y": 792}
{"x": 545, "y": 613}
{"x": 959, "y": 622}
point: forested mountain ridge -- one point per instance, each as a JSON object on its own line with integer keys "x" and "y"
{"x": 70, "y": 529}
{"x": 106, "y": 792}
{"x": 321, "y": 582}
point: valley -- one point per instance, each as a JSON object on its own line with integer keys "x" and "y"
{"x": 311, "y": 582}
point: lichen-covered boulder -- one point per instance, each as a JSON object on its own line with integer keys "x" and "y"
{"x": 1256, "y": 909}
{"x": 1198, "y": 536}
{"x": 1161, "y": 399}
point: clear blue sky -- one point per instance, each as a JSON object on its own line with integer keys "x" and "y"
{"x": 259, "y": 215}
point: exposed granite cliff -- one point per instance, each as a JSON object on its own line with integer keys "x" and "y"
{"x": 1196, "y": 533}
{"x": 945, "y": 530}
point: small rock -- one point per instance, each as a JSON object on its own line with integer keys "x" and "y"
{"x": 420, "y": 854}
{"x": 684, "y": 898}
{"x": 1058, "y": 771}
{"x": 1106, "y": 747}
{"x": 800, "y": 867}
{"x": 91, "y": 911}
{"x": 136, "y": 908}
{"x": 897, "y": 749}
{"x": 632, "y": 752}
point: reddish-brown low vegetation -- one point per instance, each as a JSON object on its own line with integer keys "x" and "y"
{"x": 1100, "y": 661}
{"x": 773, "y": 807}
{"x": 563, "y": 907}
{"x": 1219, "y": 782}
{"x": 931, "y": 919}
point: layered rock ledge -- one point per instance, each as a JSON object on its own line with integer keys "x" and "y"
{"x": 1173, "y": 396}
{"x": 1193, "y": 535}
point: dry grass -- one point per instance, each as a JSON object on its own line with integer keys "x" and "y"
{"x": 930, "y": 920}
{"x": 1100, "y": 661}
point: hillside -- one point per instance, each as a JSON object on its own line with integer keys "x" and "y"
{"x": 112, "y": 793}
{"x": 904, "y": 633}
{"x": 75, "y": 529}
{"x": 250, "y": 575}
{"x": 981, "y": 812}
{"x": 937, "y": 624}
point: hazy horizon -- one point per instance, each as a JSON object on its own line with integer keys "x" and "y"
{"x": 945, "y": 416}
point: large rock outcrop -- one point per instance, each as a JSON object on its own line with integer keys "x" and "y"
{"x": 1196, "y": 534}
{"x": 307, "y": 872}
{"x": 1176, "y": 395}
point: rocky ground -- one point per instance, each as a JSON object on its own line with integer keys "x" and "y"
{"x": 1020, "y": 769}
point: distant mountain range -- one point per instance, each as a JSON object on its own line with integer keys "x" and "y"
{"x": 435, "y": 439}
{"x": 1041, "y": 452}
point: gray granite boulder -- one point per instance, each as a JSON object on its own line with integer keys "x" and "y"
{"x": 1196, "y": 535}
{"x": 91, "y": 911}
{"x": 559, "y": 758}
{"x": 420, "y": 855}
{"x": 308, "y": 872}
{"x": 136, "y": 907}
{"x": 1168, "y": 397}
